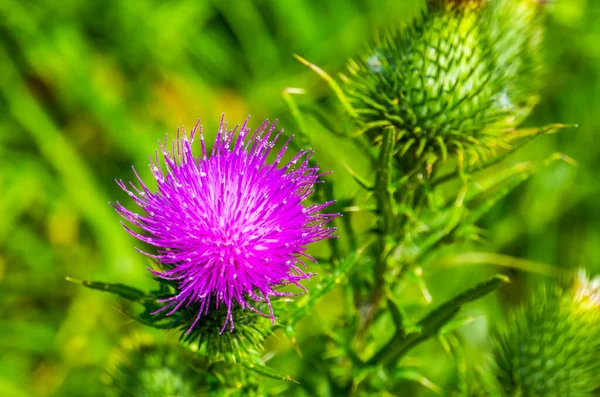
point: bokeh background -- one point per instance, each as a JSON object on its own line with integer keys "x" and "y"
{"x": 88, "y": 87}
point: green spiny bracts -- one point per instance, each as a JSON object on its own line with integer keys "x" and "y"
{"x": 550, "y": 346}
{"x": 442, "y": 82}
{"x": 145, "y": 367}
{"x": 433, "y": 80}
{"x": 243, "y": 343}
{"x": 206, "y": 336}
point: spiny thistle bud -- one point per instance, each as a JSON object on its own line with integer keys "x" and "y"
{"x": 144, "y": 367}
{"x": 451, "y": 81}
{"x": 550, "y": 346}
{"x": 230, "y": 227}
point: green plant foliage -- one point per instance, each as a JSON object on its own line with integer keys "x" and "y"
{"x": 440, "y": 174}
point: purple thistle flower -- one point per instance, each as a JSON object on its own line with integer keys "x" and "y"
{"x": 229, "y": 226}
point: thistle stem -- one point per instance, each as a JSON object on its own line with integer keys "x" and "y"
{"x": 385, "y": 204}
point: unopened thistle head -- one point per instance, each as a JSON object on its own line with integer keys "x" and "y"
{"x": 550, "y": 346}
{"x": 144, "y": 368}
{"x": 230, "y": 227}
{"x": 452, "y": 81}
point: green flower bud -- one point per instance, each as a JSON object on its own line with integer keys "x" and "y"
{"x": 452, "y": 81}
{"x": 550, "y": 346}
{"x": 143, "y": 368}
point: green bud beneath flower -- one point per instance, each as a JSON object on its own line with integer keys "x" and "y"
{"x": 146, "y": 367}
{"x": 143, "y": 368}
{"x": 550, "y": 346}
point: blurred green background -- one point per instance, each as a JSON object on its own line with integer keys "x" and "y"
{"x": 87, "y": 88}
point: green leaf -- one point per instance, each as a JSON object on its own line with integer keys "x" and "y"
{"x": 456, "y": 324}
{"x": 431, "y": 324}
{"x": 490, "y": 258}
{"x": 288, "y": 99}
{"x": 522, "y": 137}
{"x": 453, "y": 346}
{"x": 122, "y": 290}
{"x": 396, "y": 313}
{"x": 385, "y": 199}
{"x": 443, "y": 314}
{"x": 267, "y": 371}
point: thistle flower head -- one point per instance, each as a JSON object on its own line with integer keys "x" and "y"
{"x": 549, "y": 347}
{"x": 230, "y": 227}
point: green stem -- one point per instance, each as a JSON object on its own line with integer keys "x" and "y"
{"x": 385, "y": 202}
{"x": 385, "y": 205}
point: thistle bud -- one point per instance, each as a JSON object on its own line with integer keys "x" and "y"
{"x": 451, "y": 81}
{"x": 550, "y": 346}
{"x": 144, "y": 368}
{"x": 147, "y": 367}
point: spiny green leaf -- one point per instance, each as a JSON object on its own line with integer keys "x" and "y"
{"x": 519, "y": 138}
{"x": 267, "y": 371}
{"x": 359, "y": 179}
{"x": 122, "y": 290}
{"x": 437, "y": 318}
{"x": 396, "y": 313}
{"x": 431, "y": 324}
